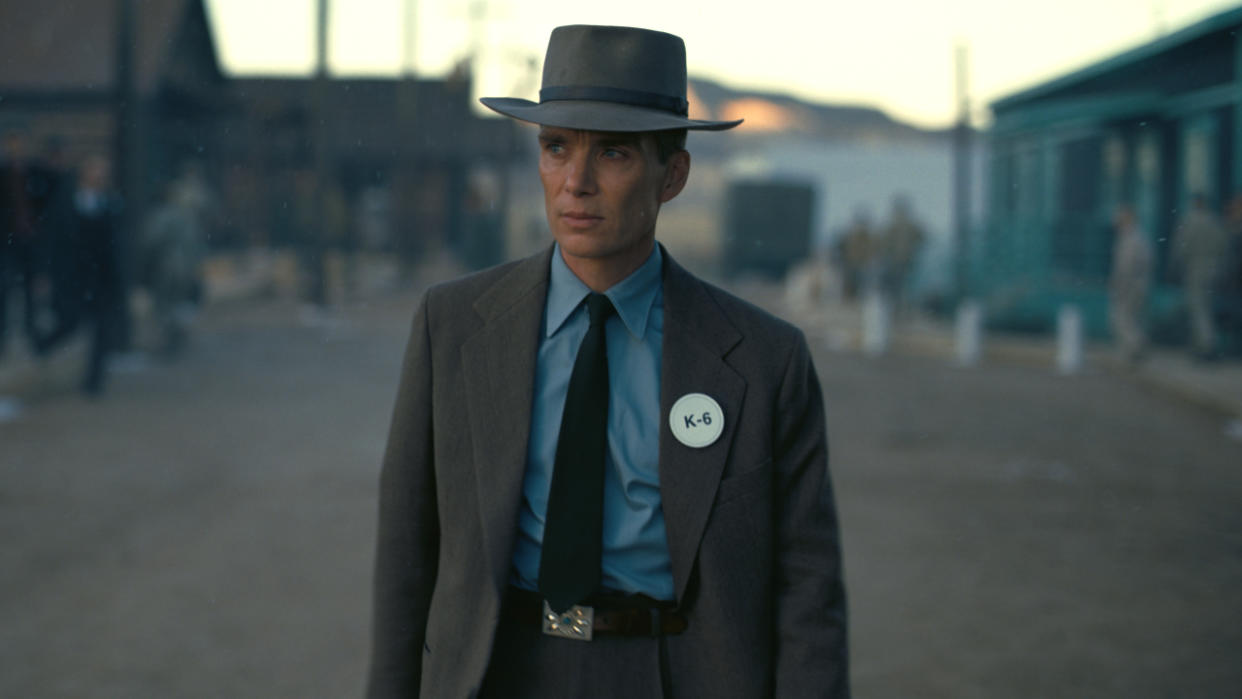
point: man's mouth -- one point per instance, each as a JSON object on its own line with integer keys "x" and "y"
{"x": 580, "y": 219}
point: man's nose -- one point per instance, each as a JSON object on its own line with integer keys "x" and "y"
{"x": 580, "y": 177}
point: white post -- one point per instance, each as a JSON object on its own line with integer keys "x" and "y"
{"x": 1069, "y": 340}
{"x": 10, "y": 409}
{"x": 969, "y": 333}
{"x": 802, "y": 289}
{"x": 876, "y": 325}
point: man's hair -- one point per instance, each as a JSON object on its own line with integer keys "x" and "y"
{"x": 669, "y": 143}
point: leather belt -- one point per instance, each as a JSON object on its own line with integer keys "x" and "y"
{"x": 617, "y": 616}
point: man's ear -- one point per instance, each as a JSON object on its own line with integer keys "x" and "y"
{"x": 675, "y": 176}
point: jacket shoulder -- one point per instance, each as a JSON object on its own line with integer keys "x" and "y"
{"x": 472, "y": 285}
{"x": 488, "y": 291}
{"x": 751, "y": 320}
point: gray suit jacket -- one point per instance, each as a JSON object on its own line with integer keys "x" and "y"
{"x": 751, "y": 526}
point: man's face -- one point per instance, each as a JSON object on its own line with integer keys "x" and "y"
{"x": 96, "y": 172}
{"x": 1123, "y": 218}
{"x": 14, "y": 146}
{"x": 603, "y": 191}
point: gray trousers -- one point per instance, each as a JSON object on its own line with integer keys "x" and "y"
{"x": 1126, "y": 314}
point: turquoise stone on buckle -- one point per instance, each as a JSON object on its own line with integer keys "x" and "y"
{"x": 574, "y": 623}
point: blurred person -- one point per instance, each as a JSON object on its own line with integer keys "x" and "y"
{"x": 56, "y": 232}
{"x": 339, "y": 231}
{"x": 543, "y": 534}
{"x": 307, "y": 236}
{"x": 174, "y": 246}
{"x": 24, "y": 191}
{"x": 322, "y": 222}
{"x": 194, "y": 193}
{"x": 1231, "y": 276}
{"x": 483, "y": 243}
{"x": 1199, "y": 244}
{"x": 856, "y": 253}
{"x": 94, "y": 292}
{"x": 900, "y": 244}
{"x": 1129, "y": 284}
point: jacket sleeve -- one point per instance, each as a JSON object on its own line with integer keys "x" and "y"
{"x": 811, "y": 636}
{"x": 409, "y": 529}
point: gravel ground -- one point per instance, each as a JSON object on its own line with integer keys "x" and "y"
{"x": 205, "y": 530}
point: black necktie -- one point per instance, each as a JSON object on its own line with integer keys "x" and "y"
{"x": 573, "y": 532}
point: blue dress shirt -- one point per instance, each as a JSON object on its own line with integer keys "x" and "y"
{"x": 635, "y": 550}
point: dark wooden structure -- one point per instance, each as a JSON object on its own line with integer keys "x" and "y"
{"x": 139, "y": 81}
{"x": 415, "y": 146}
{"x": 136, "y": 80}
{"x": 767, "y": 226}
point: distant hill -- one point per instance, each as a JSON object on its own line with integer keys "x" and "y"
{"x": 769, "y": 113}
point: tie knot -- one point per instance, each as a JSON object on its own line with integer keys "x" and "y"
{"x": 599, "y": 307}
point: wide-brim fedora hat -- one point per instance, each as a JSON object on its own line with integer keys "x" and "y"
{"x": 610, "y": 79}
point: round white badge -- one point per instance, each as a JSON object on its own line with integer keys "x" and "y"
{"x": 696, "y": 420}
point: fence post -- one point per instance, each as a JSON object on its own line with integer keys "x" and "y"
{"x": 969, "y": 333}
{"x": 877, "y": 322}
{"x": 1069, "y": 339}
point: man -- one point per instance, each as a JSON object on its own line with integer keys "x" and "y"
{"x": 1231, "y": 276}
{"x": 90, "y": 270}
{"x": 1129, "y": 284}
{"x": 858, "y": 250}
{"x": 174, "y": 244}
{"x": 901, "y": 243}
{"x": 24, "y": 191}
{"x": 606, "y": 478}
{"x": 1199, "y": 243}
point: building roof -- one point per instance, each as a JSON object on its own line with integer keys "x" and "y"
{"x": 1225, "y": 22}
{"x": 69, "y": 46}
{"x": 382, "y": 118}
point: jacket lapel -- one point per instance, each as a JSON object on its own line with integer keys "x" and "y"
{"x": 697, "y": 336}
{"x": 499, "y": 366}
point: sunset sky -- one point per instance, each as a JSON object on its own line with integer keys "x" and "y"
{"x": 895, "y": 55}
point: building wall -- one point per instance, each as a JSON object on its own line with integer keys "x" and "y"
{"x": 1152, "y": 135}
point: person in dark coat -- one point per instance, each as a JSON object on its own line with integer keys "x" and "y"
{"x": 56, "y": 234}
{"x": 1231, "y": 274}
{"x": 88, "y": 272}
{"x": 24, "y": 190}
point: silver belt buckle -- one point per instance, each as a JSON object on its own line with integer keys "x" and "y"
{"x": 574, "y": 623}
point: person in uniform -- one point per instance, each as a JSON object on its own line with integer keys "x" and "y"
{"x": 605, "y": 477}
{"x": 1129, "y": 283}
{"x": 1199, "y": 244}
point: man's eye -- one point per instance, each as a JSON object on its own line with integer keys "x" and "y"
{"x": 554, "y": 148}
{"x": 613, "y": 153}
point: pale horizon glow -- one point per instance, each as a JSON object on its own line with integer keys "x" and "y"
{"x": 896, "y": 56}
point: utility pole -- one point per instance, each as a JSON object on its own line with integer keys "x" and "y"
{"x": 317, "y": 263}
{"x": 477, "y": 14}
{"x": 409, "y": 25}
{"x": 123, "y": 96}
{"x": 961, "y": 173}
{"x": 124, "y": 148}
{"x": 402, "y": 178}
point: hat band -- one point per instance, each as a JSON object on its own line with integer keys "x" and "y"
{"x": 654, "y": 100}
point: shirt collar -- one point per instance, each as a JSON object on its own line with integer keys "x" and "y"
{"x": 633, "y": 296}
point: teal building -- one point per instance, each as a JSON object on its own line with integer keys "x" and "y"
{"x": 1151, "y": 126}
